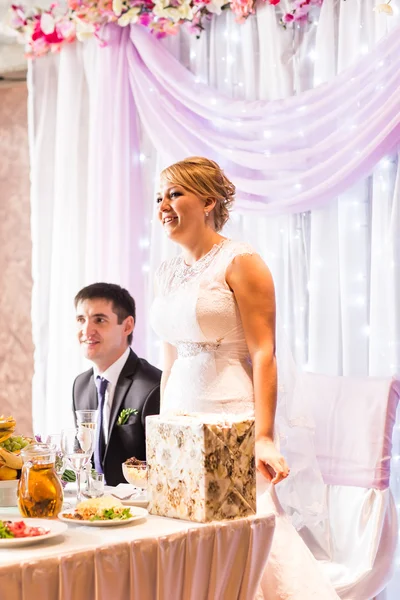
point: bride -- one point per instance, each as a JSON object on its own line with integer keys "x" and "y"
{"x": 215, "y": 310}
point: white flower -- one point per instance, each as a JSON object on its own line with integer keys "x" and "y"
{"x": 84, "y": 31}
{"x": 173, "y": 13}
{"x": 161, "y": 4}
{"x": 117, "y": 7}
{"x": 160, "y": 10}
{"x": 384, "y": 8}
{"x": 47, "y": 23}
{"x": 131, "y": 16}
{"x": 215, "y": 6}
{"x": 186, "y": 11}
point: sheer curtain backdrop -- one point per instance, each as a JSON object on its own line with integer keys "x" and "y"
{"x": 94, "y": 177}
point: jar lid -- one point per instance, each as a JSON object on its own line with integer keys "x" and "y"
{"x": 38, "y": 451}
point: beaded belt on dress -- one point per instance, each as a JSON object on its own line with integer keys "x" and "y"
{"x": 188, "y": 349}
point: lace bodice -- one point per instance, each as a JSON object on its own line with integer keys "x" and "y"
{"x": 195, "y": 304}
{"x": 196, "y": 311}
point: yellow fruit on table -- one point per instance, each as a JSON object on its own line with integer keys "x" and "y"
{"x": 7, "y": 474}
{"x": 7, "y": 422}
{"x": 7, "y": 426}
{"x": 10, "y": 459}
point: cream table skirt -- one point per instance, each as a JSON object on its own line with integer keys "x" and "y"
{"x": 156, "y": 559}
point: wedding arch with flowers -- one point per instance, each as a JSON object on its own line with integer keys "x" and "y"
{"x": 48, "y": 30}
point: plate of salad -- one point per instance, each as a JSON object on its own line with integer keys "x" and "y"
{"x": 21, "y": 532}
{"x": 102, "y": 512}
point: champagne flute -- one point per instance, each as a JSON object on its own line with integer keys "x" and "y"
{"x": 77, "y": 446}
{"x": 87, "y": 418}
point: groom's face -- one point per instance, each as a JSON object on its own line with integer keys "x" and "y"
{"x": 102, "y": 339}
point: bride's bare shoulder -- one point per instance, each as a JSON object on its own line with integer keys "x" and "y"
{"x": 235, "y": 248}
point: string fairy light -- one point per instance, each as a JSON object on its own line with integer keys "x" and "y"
{"x": 144, "y": 243}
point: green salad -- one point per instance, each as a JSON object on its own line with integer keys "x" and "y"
{"x": 109, "y": 513}
{"x": 4, "y": 531}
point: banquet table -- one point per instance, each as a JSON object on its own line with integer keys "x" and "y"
{"x": 153, "y": 559}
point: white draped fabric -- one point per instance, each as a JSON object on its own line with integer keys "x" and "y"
{"x": 336, "y": 269}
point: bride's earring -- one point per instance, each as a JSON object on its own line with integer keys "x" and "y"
{"x": 206, "y": 214}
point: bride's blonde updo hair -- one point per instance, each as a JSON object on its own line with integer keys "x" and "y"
{"x": 206, "y": 179}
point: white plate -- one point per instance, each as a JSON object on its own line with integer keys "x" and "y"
{"x": 139, "y": 500}
{"x": 128, "y": 495}
{"x": 138, "y": 514}
{"x": 54, "y": 527}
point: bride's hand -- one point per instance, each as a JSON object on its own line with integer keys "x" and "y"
{"x": 270, "y": 462}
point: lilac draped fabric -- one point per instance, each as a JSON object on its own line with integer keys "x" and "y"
{"x": 113, "y": 135}
{"x": 286, "y": 155}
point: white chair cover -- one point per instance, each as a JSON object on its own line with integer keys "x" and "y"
{"x": 354, "y": 419}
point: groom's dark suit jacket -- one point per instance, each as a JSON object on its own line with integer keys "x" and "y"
{"x": 138, "y": 387}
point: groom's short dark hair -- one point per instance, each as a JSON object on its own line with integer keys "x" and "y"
{"x": 123, "y": 303}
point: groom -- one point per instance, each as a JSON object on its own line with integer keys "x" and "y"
{"x": 124, "y": 388}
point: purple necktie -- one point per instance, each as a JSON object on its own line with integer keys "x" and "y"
{"x": 101, "y": 385}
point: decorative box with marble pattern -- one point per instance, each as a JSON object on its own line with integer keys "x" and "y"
{"x": 200, "y": 467}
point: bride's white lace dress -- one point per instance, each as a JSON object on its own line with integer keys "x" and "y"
{"x": 196, "y": 311}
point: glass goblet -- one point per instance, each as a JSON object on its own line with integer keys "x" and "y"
{"x": 77, "y": 446}
{"x": 135, "y": 473}
{"x": 87, "y": 418}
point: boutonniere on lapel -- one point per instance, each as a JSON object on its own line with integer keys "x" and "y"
{"x": 125, "y": 414}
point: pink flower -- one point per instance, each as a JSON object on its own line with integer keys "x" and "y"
{"x": 299, "y": 6}
{"x": 163, "y": 27}
{"x": 54, "y": 38}
{"x": 39, "y": 47}
{"x": 145, "y": 19}
{"x": 18, "y": 18}
{"x": 50, "y": 38}
{"x": 301, "y": 12}
{"x": 288, "y": 18}
{"x": 16, "y": 22}
{"x": 242, "y": 9}
{"x": 73, "y": 4}
{"x": 274, "y": 2}
{"x": 37, "y": 32}
{"x": 66, "y": 29}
